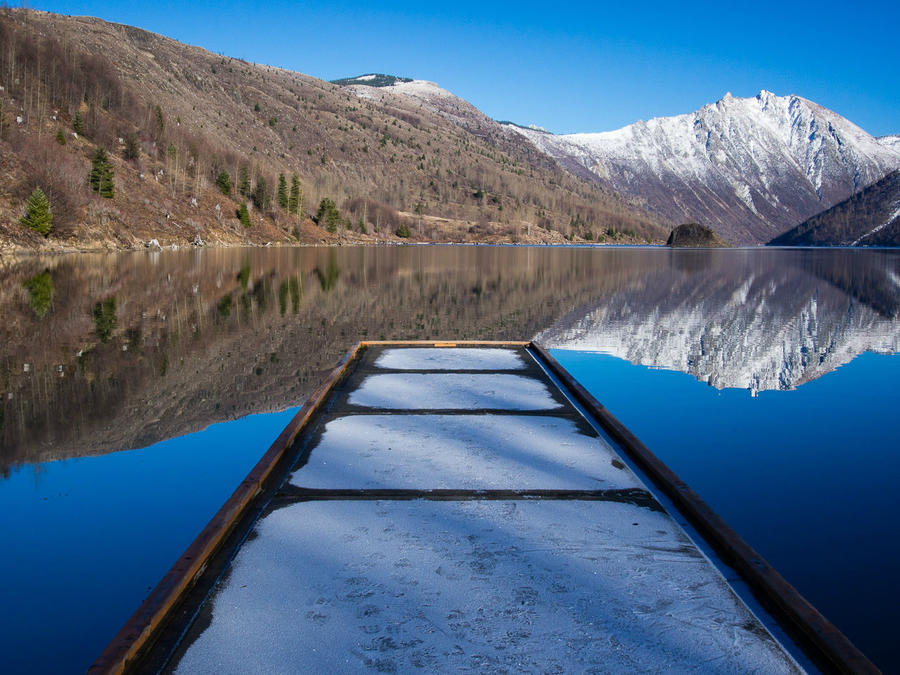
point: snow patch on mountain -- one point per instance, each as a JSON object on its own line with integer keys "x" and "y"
{"x": 430, "y": 96}
{"x": 420, "y": 89}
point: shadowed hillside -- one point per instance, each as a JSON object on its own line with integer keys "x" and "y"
{"x": 871, "y": 217}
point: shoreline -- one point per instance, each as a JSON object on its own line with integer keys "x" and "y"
{"x": 28, "y": 252}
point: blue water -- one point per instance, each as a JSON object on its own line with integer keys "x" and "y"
{"x": 92, "y": 536}
{"x": 808, "y": 477}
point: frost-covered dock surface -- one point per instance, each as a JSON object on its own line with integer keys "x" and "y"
{"x": 451, "y": 510}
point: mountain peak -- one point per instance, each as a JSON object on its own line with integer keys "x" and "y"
{"x": 750, "y": 168}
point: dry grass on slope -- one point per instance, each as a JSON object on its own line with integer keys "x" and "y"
{"x": 195, "y": 115}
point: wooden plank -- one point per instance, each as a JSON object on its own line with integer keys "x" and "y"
{"x": 833, "y": 650}
{"x": 143, "y": 625}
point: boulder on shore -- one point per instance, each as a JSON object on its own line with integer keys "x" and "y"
{"x": 694, "y": 235}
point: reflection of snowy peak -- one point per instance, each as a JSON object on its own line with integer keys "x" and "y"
{"x": 752, "y": 330}
{"x": 750, "y": 168}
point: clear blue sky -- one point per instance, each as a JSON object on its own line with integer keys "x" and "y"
{"x": 565, "y": 66}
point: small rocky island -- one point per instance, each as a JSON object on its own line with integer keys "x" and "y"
{"x": 694, "y": 235}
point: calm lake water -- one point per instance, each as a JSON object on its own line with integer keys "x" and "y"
{"x": 138, "y": 389}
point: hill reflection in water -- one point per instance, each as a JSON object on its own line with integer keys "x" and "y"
{"x": 110, "y": 352}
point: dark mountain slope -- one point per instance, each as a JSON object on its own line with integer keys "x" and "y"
{"x": 871, "y": 217}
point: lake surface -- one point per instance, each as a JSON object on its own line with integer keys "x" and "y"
{"x": 138, "y": 389}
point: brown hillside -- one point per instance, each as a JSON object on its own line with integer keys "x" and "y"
{"x": 186, "y": 116}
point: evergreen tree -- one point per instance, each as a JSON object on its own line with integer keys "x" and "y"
{"x": 60, "y": 137}
{"x": 223, "y": 182}
{"x": 132, "y": 147}
{"x": 328, "y": 215}
{"x": 101, "y": 176}
{"x": 37, "y": 213}
{"x": 294, "y": 288}
{"x": 78, "y": 123}
{"x": 244, "y": 185}
{"x": 296, "y": 198}
{"x": 261, "y": 198}
{"x": 105, "y": 318}
{"x": 283, "y": 291}
{"x": 40, "y": 293}
{"x": 244, "y": 215}
{"x": 282, "y": 192}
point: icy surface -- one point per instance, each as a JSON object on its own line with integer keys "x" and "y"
{"x": 452, "y": 391}
{"x": 472, "y": 452}
{"x": 450, "y": 358}
{"x": 477, "y": 586}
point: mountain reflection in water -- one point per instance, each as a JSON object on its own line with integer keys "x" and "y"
{"x": 118, "y": 351}
{"x": 745, "y": 319}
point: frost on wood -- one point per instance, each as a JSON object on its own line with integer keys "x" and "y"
{"x": 471, "y": 452}
{"x": 449, "y": 358}
{"x": 476, "y": 586}
{"x": 452, "y": 391}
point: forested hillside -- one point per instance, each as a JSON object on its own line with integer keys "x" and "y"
{"x": 132, "y": 137}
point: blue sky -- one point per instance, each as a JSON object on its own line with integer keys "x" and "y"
{"x": 565, "y": 66}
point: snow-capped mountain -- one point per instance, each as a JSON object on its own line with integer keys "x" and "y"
{"x": 750, "y": 168}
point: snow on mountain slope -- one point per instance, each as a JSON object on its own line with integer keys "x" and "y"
{"x": 750, "y": 168}
{"x": 892, "y": 142}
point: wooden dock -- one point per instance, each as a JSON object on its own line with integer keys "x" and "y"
{"x": 468, "y": 506}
